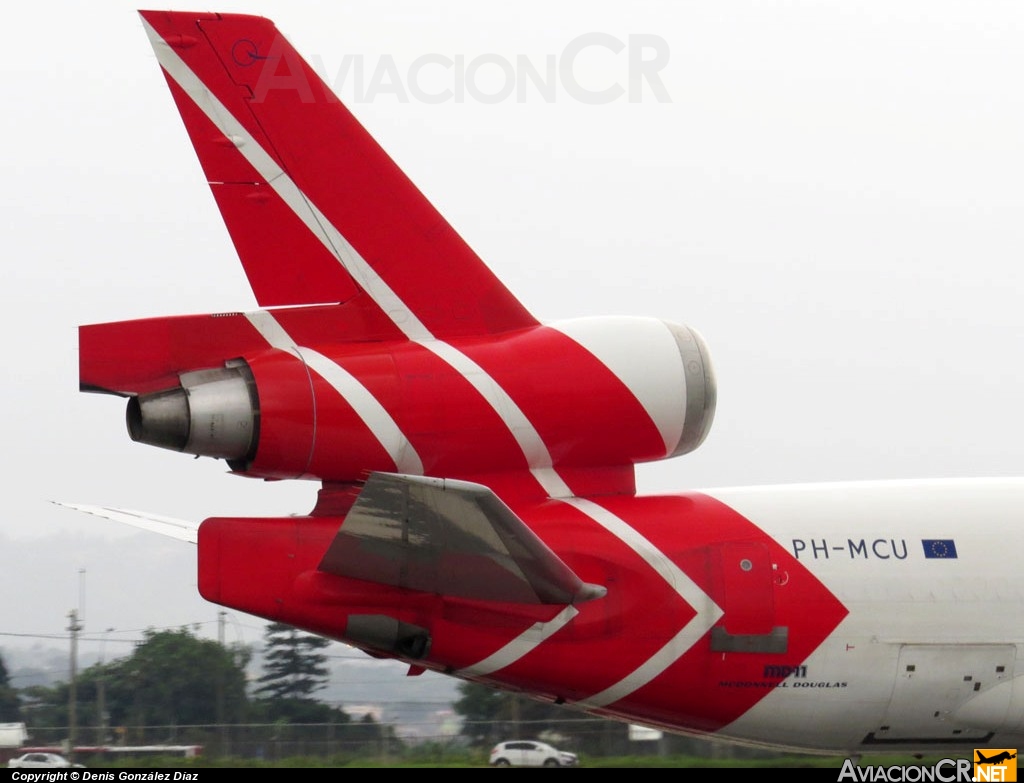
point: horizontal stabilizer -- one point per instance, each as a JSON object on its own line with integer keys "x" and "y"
{"x": 183, "y": 530}
{"x": 452, "y": 538}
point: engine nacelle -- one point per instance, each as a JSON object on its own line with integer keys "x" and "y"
{"x": 213, "y": 413}
{"x": 258, "y": 413}
{"x": 667, "y": 368}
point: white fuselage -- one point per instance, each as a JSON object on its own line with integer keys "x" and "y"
{"x": 932, "y": 650}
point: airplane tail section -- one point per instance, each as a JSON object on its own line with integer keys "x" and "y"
{"x": 317, "y": 211}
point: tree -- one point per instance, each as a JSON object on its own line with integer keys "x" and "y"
{"x": 175, "y": 678}
{"x": 482, "y": 710}
{"x": 294, "y": 667}
{"x": 10, "y": 705}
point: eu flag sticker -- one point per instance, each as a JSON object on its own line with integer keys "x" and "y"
{"x": 939, "y": 548}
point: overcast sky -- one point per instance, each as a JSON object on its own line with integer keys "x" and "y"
{"x": 831, "y": 192}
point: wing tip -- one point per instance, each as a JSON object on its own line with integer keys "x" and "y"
{"x": 179, "y": 529}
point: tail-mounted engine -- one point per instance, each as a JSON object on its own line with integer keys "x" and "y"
{"x": 590, "y": 393}
{"x": 212, "y": 413}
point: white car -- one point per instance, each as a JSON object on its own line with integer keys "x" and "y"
{"x": 40, "y": 761}
{"x": 530, "y": 753}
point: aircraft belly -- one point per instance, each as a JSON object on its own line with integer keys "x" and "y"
{"x": 933, "y": 682}
{"x": 833, "y": 682}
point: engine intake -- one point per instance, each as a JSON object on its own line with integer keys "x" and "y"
{"x": 213, "y": 413}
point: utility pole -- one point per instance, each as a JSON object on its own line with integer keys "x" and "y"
{"x": 101, "y": 688}
{"x": 221, "y": 711}
{"x": 73, "y": 628}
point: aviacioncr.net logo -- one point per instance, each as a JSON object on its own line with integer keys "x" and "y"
{"x": 998, "y": 765}
{"x": 944, "y": 771}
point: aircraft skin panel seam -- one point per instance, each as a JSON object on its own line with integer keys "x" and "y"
{"x": 366, "y": 406}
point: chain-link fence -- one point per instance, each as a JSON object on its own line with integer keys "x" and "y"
{"x": 588, "y": 737}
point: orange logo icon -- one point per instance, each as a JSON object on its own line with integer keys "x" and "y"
{"x": 995, "y": 764}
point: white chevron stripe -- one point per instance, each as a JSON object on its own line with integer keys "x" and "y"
{"x": 529, "y": 440}
{"x": 366, "y": 406}
{"x": 708, "y": 612}
{"x": 527, "y": 641}
{"x": 285, "y": 187}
